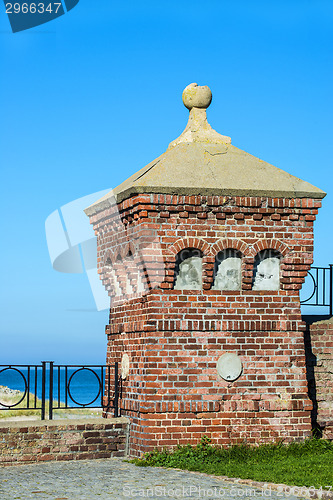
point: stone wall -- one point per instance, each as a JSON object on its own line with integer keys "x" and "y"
{"x": 26, "y": 441}
{"x": 320, "y": 374}
{"x": 174, "y": 337}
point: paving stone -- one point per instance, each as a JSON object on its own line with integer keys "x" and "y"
{"x": 116, "y": 479}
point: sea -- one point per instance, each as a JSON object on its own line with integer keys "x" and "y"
{"x": 85, "y": 386}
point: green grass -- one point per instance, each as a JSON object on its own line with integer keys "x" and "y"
{"x": 308, "y": 463}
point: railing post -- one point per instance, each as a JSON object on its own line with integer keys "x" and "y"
{"x": 43, "y": 388}
{"x": 331, "y": 290}
{"x": 116, "y": 390}
{"x": 51, "y": 391}
{"x": 66, "y": 386}
{"x": 102, "y": 382}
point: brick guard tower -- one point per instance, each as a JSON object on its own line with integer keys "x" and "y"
{"x": 204, "y": 252}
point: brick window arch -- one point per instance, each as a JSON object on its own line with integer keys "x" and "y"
{"x": 270, "y": 244}
{"x": 183, "y": 243}
{"x": 232, "y": 244}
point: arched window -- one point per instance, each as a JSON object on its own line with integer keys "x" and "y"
{"x": 227, "y": 270}
{"x": 108, "y": 262}
{"x": 111, "y": 274}
{"x": 188, "y": 270}
{"x": 266, "y": 272}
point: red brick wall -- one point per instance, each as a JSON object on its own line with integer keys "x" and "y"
{"x": 25, "y": 442}
{"x": 211, "y": 223}
{"x": 321, "y": 334}
{"x": 175, "y": 337}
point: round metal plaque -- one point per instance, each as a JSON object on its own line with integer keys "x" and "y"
{"x": 229, "y": 366}
{"x": 125, "y": 366}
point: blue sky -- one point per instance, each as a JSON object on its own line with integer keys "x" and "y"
{"x": 91, "y": 97}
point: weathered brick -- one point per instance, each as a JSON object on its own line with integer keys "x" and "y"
{"x": 175, "y": 337}
{"x": 61, "y": 442}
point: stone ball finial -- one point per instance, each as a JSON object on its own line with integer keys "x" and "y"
{"x": 195, "y": 96}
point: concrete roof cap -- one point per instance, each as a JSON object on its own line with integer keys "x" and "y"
{"x": 202, "y": 161}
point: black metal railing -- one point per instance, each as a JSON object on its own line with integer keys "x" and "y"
{"x": 321, "y": 288}
{"x": 48, "y": 387}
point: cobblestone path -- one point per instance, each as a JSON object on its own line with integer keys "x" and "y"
{"x": 115, "y": 479}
